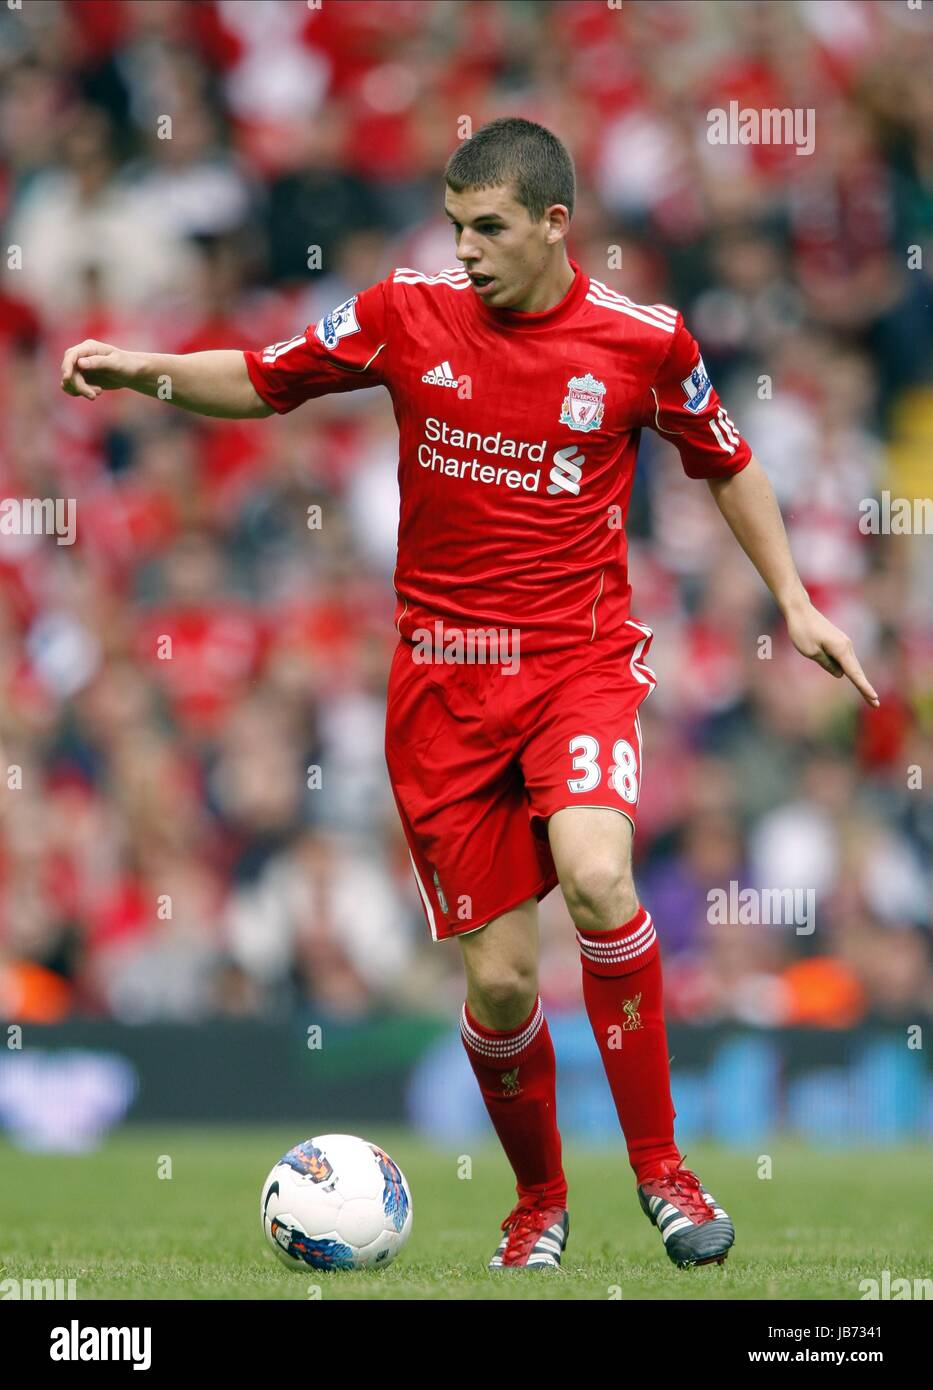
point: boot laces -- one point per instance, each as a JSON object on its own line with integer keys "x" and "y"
{"x": 688, "y": 1188}
{"x": 523, "y": 1225}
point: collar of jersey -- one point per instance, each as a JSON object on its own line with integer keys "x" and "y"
{"x": 516, "y": 319}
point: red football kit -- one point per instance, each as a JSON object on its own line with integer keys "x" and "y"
{"x": 514, "y": 690}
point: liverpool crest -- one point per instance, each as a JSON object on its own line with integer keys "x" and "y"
{"x": 632, "y": 1016}
{"x": 510, "y": 1086}
{"x": 583, "y": 404}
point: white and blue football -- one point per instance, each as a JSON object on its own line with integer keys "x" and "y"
{"x": 336, "y": 1202}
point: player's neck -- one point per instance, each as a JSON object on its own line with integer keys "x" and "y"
{"x": 549, "y": 290}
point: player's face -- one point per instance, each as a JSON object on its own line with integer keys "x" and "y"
{"x": 502, "y": 250}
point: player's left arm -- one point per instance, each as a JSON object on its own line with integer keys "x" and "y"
{"x": 747, "y": 501}
{"x": 682, "y": 405}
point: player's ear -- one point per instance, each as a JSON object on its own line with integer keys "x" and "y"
{"x": 558, "y": 222}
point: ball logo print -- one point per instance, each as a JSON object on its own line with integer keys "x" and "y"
{"x": 336, "y": 1202}
{"x": 308, "y": 1160}
{"x": 396, "y": 1202}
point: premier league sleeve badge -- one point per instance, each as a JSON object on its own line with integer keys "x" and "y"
{"x": 697, "y": 387}
{"x": 337, "y": 324}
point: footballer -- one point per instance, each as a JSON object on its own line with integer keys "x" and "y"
{"x": 521, "y": 384}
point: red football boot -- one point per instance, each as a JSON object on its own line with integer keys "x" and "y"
{"x": 535, "y": 1237}
{"x": 694, "y": 1228}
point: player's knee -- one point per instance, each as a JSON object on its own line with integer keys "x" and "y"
{"x": 504, "y": 996}
{"x": 600, "y": 894}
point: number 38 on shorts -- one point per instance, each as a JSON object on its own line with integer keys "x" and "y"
{"x": 622, "y": 769}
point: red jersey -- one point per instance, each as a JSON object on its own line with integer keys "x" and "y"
{"x": 518, "y": 434}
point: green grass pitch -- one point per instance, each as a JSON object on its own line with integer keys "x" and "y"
{"x": 822, "y": 1222}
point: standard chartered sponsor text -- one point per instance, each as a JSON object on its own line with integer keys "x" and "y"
{"x": 456, "y": 466}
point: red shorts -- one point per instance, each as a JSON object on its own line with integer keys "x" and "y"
{"x": 479, "y": 760}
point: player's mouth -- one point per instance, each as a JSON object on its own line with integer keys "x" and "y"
{"x": 481, "y": 283}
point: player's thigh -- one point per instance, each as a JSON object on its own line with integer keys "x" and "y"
{"x": 461, "y": 802}
{"x": 582, "y": 766}
{"x": 592, "y": 851}
{"x": 584, "y": 746}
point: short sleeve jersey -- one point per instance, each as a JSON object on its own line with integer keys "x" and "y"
{"x": 518, "y": 436}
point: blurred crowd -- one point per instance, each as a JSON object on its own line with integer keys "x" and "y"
{"x": 205, "y": 827}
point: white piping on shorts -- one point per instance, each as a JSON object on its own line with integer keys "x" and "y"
{"x": 429, "y": 910}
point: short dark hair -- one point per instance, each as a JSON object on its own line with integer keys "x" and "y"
{"x": 519, "y": 153}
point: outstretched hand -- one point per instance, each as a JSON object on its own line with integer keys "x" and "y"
{"x": 815, "y": 636}
{"x": 91, "y": 367}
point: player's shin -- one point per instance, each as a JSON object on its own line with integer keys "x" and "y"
{"x": 516, "y": 1072}
{"x": 622, "y": 990}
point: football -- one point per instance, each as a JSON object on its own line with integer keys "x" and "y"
{"x": 336, "y": 1202}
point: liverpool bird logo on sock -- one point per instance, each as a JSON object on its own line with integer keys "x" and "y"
{"x": 510, "y": 1086}
{"x": 633, "y": 1017}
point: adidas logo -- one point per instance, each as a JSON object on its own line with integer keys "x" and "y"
{"x": 441, "y": 375}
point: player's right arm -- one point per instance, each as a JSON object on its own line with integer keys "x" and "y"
{"x": 207, "y": 383}
{"x": 346, "y": 350}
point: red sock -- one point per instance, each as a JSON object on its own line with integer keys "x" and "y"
{"x": 623, "y": 996}
{"x": 517, "y": 1075}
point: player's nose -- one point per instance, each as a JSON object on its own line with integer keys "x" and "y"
{"x": 466, "y": 252}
